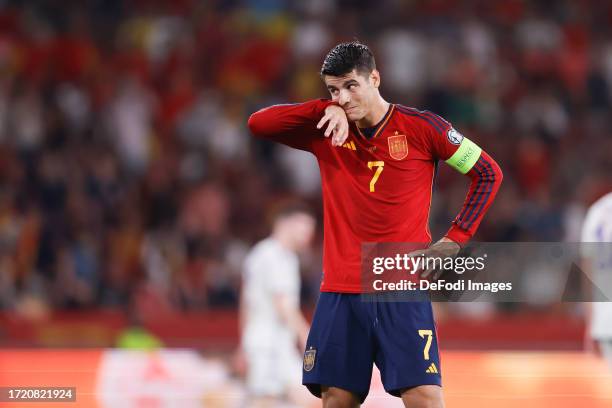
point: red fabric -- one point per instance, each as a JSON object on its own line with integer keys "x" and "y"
{"x": 398, "y": 208}
{"x": 486, "y": 178}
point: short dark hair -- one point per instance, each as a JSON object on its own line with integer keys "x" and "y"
{"x": 345, "y": 57}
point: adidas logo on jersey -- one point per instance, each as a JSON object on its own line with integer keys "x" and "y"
{"x": 350, "y": 145}
{"x": 432, "y": 369}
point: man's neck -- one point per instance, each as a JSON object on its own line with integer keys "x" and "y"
{"x": 282, "y": 239}
{"x": 377, "y": 113}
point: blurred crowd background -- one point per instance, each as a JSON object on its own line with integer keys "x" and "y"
{"x": 127, "y": 173}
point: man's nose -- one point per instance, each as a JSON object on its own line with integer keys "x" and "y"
{"x": 344, "y": 97}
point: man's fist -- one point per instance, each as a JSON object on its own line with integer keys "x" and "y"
{"x": 444, "y": 248}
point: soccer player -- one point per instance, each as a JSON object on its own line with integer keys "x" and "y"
{"x": 271, "y": 321}
{"x": 597, "y": 262}
{"x": 377, "y": 176}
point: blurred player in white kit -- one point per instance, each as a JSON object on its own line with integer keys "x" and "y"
{"x": 272, "y": 324}
{"x": 597, "y": 263}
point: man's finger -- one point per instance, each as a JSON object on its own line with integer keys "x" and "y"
{"x": 337, "y": 140}
{"x": 330, "y": 127}
{"x": 324, "y": 119}
{"x": 437, "y": 274}
{"x": 339, "y": 135}
{"x": 417, "y": 253}
{"x": 344, "y": 133}
{"x": 426, "y": 272}
{"x": 334, "y": 139}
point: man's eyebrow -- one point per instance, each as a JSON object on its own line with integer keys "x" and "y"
{"x": 349, "y": 82}
{"x": 345, "y": 84}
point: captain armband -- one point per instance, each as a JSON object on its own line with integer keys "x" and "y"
{"x": 465, "y": 157}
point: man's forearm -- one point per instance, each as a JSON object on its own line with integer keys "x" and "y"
{"x": 291, "y": 317}
{"x": 279, "y": 120}
{"x": 486, "y": 178}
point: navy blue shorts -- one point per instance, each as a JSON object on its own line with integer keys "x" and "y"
{"x": 349, "y": 334}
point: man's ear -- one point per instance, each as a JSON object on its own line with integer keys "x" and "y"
{"x": 375, "y": 78}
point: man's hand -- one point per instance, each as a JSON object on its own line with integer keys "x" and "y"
{"x": 444, "y": 248}
{"x": 293, "y": 318}
{"x": 239, "y": 363}
{"x": 302, "y": 339}
{"x": 337, "y": 124}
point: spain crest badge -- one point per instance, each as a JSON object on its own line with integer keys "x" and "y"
{"x": 309, "y": 359}
{"x": 398, "y": 146}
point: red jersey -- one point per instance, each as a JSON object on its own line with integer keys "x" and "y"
{"x": 379, "y": 189}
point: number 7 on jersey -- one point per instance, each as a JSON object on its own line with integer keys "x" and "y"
{"x": 379, "y": 168}
{"x": 429, "y": 334}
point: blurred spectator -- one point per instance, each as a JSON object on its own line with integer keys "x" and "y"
{"x": 136, "y": 336}
{"x": 131, "y": 115}
{"x": 127, "y": 173}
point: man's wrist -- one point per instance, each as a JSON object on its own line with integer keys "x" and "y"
{"x": 447, "y": 246}
{"x": 447, "y": 239}
{"x": 331, "y": 104}
{"x": 458, "y": 235}
{"x": 326, "y": 103}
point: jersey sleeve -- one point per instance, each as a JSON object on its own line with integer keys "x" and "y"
{"x": 486, "y": 177}
{"x": 294, "y": 125}
{"x": 444, "y": 142}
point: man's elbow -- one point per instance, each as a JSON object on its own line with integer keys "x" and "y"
{"x": 257, "y": 124}
{"x": 499, "y": 176}
{"x": 494, "y": 173}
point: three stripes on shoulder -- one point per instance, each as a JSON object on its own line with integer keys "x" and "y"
{"x": 350, "y": 145}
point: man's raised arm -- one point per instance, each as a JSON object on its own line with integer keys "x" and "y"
{"x": 297, "y": 125}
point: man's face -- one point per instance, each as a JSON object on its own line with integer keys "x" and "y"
{"x": 354, "y": 92}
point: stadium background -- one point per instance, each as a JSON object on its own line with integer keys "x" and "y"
{"x": 130, "y": 189}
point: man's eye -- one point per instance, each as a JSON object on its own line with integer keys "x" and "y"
{"x": 333, "y": 91}
{"x": 352, "y": 86}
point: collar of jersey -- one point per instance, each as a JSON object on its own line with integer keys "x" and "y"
{"x": 380, "y": 126}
